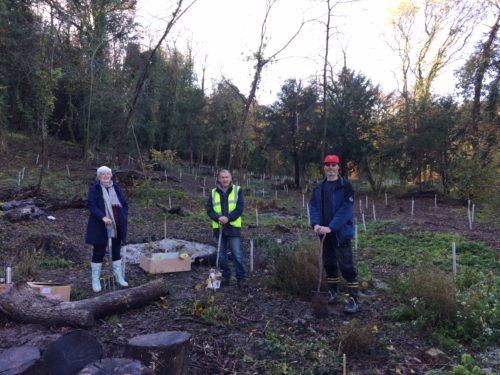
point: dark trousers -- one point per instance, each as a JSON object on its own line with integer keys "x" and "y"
{"x": 338, "y": 257}
{"x": 100, "y": 250}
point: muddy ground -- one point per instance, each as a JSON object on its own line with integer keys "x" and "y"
{"x": 242, "y": 343}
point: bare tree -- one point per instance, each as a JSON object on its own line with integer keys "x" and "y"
{"x": 485, "y": 57}
{"x": 235, "y": 157}
{"x": 176, "y": 15}
{"x": 428, "y": 36}
{"x": 328, "y": 35}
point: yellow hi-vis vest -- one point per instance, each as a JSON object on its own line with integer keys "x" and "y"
{"x": 232, "y": 199}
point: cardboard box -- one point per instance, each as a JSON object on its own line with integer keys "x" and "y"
{"x": 2, "y": 287}
{"x": 52, "y": 290}
{"x": 165, "y": 262}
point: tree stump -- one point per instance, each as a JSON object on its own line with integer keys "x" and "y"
{"x": 166, "y": 353}
{"x": 116, "y": 366}
{"x": 73, "y": 351}
{"x": 19, "y": 359}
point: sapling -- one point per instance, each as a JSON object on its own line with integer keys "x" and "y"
{"x": 251, "y": 255}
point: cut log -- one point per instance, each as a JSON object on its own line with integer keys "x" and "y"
{"x": 61, "y": 204}
{"x": 21, "y": 303}
{"x": 167, "y": 353}
{"x": 72, "y": 352}
{"x": 19, "y": 359}
{"x": 23, "y": 213}
{"x": 10, "y": 205}
{"x": 175, "y": 210}
{"x": 116, "y": 366}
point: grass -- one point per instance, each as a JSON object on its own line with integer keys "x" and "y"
{"x": 452, "y": 312}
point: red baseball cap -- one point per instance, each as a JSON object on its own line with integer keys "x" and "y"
{"x": 331, "y": 159}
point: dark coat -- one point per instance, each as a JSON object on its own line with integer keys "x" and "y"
{"x": 228, "y": 230}
{"x": 96, "y": 229}
{"x": 342, "y": 223}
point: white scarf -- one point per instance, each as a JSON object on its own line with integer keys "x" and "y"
{"x": 110, "y": 200}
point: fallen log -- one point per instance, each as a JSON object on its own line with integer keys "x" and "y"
{"x": 21, "y": 303}
{"x": 23, "y": 213}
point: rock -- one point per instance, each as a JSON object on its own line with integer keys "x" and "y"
{"x": 434, "y": 356}
{"x": 72, "y": 352}
{"x": 115, "y": 366}
{"x": 18, "y": 359}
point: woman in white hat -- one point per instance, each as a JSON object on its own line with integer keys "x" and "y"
{"x": 108, "y": 217}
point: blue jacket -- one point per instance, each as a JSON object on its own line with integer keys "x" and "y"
{"x": 342, "y": 223}
{"x": 96, "y": 229}
{"x": 228, "y": 230}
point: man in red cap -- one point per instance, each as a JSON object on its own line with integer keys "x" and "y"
{"x": 331, "y": 210}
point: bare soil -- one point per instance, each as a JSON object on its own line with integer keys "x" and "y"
{"x": 239, "y": 346}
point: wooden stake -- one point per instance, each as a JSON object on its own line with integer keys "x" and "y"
{"x": 257, "y": 217}
{"x": 454, "y": 258}
{"x": 374, "y": 213}
{"x": 412, "y": 207}
{"x": 251, "y": 255}
{"x": 165, "y": 227}
{"x": 344, "y": 364}
{"x": 169, "y": 201}
{"x": 355, "y": 236}
{"x": 435, "y": 200}
{"x": 385, "y": 199}
{"x": 67, "y": 168}
{"x": 366, "y": 201}
{"x": 364, "y": 222}
{"x": 303, "y": 201}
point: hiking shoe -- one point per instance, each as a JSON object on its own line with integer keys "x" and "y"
{"x": 333, "y": 297}
{"x": 352, "y": 306}
{"x": 242, "y": 284}
{"x": 225, "y": 282}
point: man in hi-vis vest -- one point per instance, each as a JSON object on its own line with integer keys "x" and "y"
{"x": 225, "y": 207}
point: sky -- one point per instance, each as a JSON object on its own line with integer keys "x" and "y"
{"x": 223, "y": 33}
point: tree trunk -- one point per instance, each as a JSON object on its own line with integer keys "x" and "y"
{"x": 166, "y": 352}
{"x": 21, "y": 303}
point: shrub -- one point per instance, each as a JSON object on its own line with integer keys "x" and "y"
{"x": 433, "y": 298}
{"x": 356, "y": 338}
{"x": 295, "y": 268}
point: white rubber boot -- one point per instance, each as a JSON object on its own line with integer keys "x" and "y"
{"x": 117, "y": 271}
{"x": 96, "y": 277}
